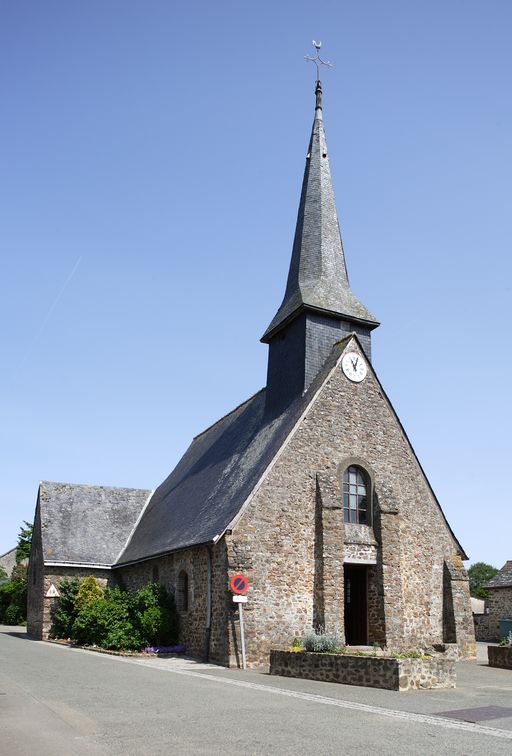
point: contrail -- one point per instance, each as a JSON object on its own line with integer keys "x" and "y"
{"x": 48, "y": 314}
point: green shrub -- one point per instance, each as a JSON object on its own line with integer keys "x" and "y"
{"x": 115, "y": 618}
{"x": 106, "y": 622}
{"x": 64, "y": 613}
{"x": 507, "y": 640}
{"x": 322, "y": 642}
{"x": 88, "y": 592}
{"x": 13, "y": 597}
{"x": 14, "y": 615}
{"x": 155, "y": 616}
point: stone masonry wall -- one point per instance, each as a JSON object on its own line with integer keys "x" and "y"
{"x": 499, "y": 603}
{"x": 193, "y": 621}
{"x": 484, "y": 628}
{"x": 54, "y": 575}
{"x": 274, "y": 541}
{"x": 371, "y": 672}
{"x": 500, "y": 656}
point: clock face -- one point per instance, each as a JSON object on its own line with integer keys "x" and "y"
{"x": 354, "y": 367}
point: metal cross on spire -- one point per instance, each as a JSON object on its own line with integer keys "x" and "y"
{"x": 318, "y": 59}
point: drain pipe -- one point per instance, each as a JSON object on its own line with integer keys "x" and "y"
{"x": 208, "y": 603}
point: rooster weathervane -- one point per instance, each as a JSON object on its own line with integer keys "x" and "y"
{"x": 318, "y": 60}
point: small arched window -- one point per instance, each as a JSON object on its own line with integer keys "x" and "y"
{"x": 155, "y": 574}
{"x": 355, "y": 495}
{"x": 182, "y": 592}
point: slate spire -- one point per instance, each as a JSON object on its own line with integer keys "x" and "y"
{"x": 318, "y": 279}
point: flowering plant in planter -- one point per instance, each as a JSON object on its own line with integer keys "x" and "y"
{"x": 507, "y": 641}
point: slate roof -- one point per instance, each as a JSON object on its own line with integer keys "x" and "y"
{"x": 8, "y": 560}
{"x": 220, "y": 469}
{"x": 87, "y": 524}
{"x": 318, "y": 278}
{"x": 503, "y": 579}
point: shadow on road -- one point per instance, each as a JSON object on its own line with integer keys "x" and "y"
{"x": 16, "y": 632}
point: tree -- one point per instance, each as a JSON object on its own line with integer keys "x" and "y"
{"x": 3, "y": 573}
{"x": 479, "y": 575}
{"x": 24, "y": 542}
{"x": 63, "y": 613}
{"x": 88, "y": 592}
{"x": 13, "y": 597}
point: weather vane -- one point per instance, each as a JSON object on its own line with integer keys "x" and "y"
{"x": 318, "y": 59}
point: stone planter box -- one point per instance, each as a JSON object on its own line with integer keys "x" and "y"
{"x": 500, "y": 656}
{"x": 369, "y": 671}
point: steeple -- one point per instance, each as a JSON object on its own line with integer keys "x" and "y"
{"x": 318, "y": 278}
{"x": 319, "y": 307}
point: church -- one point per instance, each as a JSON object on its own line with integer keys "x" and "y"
{"x": 310, "y": 488}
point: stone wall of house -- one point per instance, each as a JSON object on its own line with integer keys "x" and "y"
{"x": 484, "y": 628}
{"x": 499, "y": 603}
{"x": 194, "y": 632}
{"x": 369, "y": 671}
{"x": 39, "y": 579}
{"x": 276, "y": 541}
{"x": 54, "y": 575}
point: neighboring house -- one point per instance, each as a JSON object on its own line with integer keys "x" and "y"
{"x": 8, "y": 561}
{"x": 311, "y": 488}
{"x": 79, "y": 530}
{"x": 499, "y": 600}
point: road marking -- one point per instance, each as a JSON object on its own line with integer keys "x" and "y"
{"x": 425, "y": 719}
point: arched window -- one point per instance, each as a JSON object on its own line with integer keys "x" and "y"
{"x": 155, "y": 574}
{"x": 355, "y": 495}
{"x": 182, "y": 592}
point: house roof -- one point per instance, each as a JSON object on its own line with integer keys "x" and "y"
{"x": 502, "y": 579}
{"x": 8, "y": 560}
{"x": 85, "y": 524}
{"x": 318, "y": 278}
{"x": 216, "y": 475}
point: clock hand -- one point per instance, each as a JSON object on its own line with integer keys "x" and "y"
{"x": 354, "y": 363}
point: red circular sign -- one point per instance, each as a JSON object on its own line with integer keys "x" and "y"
{"x": 239, "y": 584}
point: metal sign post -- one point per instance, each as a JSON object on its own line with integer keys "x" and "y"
{"x": 242, "y": 635}
{"x": 239, "y": 585}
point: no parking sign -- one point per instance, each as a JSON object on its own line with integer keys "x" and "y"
{"x": 239, "y": 584}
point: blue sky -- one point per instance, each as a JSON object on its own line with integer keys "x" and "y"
{"x": 152, "y": 154}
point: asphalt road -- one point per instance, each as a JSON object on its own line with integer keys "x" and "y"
{"x": 56, "y": 701}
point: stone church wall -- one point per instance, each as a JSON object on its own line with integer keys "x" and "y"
{"x": 193, "y": 619}
{"x": 274, "y": 541}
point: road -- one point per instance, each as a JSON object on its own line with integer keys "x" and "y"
{"x": 56, "y": 701}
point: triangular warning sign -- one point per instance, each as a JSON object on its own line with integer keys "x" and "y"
{"x": 52, "y": 592}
